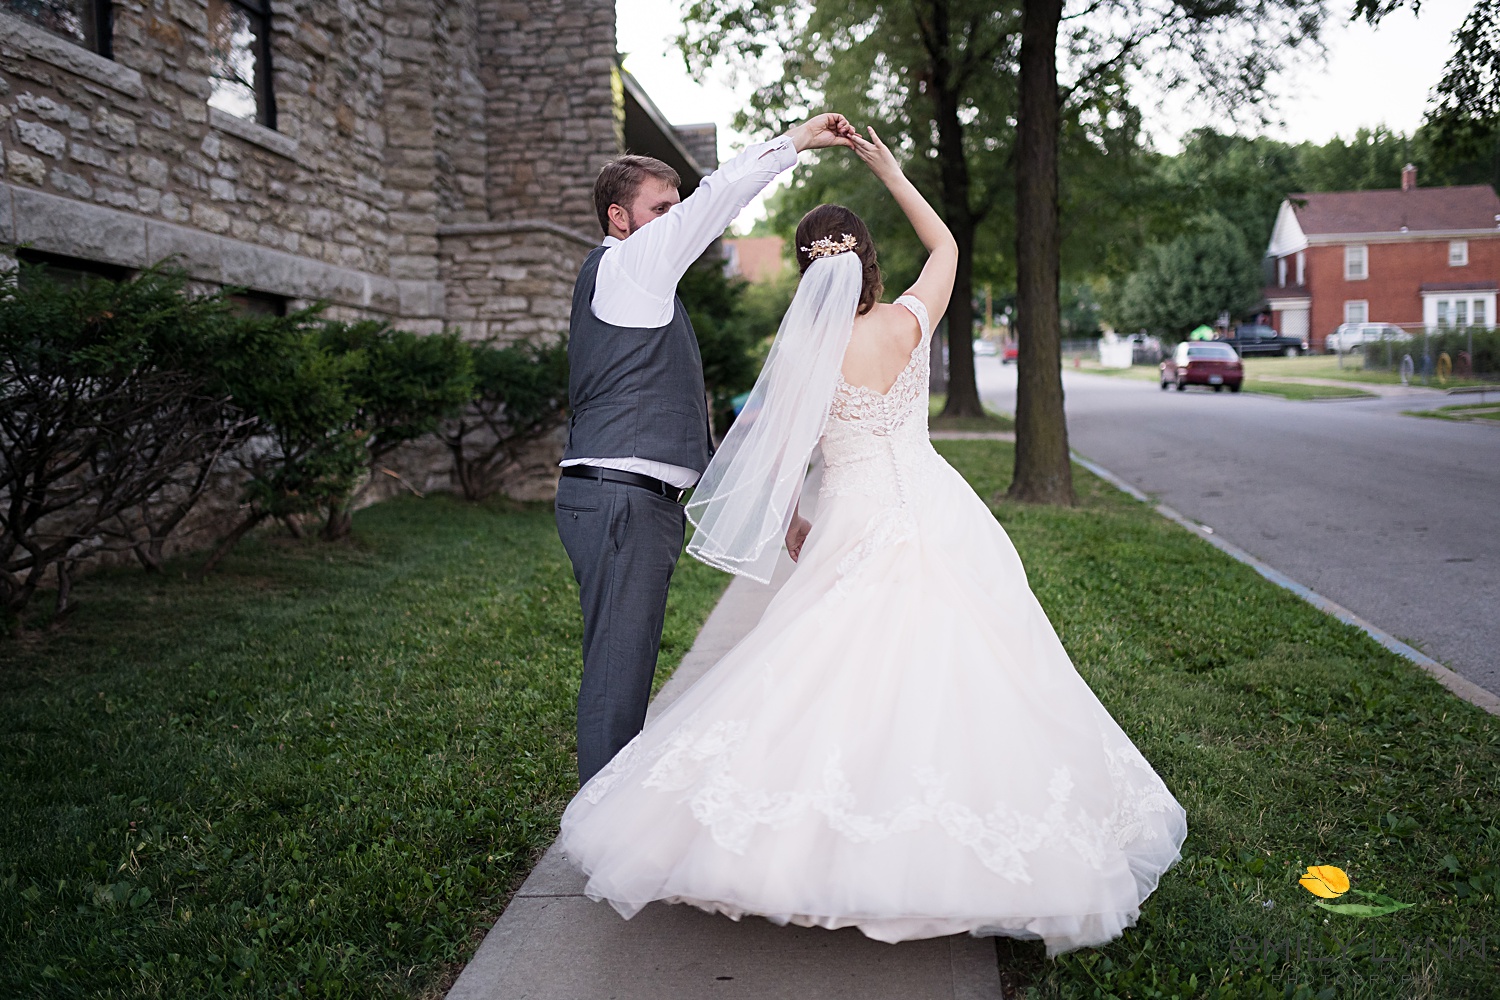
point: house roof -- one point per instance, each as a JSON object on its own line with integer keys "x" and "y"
{"x": 1435, "y": 209}
{"x": 1458, "y": 286}
{"x": 1307, "y": 216}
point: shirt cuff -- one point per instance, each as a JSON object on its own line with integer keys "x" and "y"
{"x": 782, "y": 151}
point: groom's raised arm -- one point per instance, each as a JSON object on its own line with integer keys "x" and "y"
{"x": 655, "y": 257}
{"x": 646, "y": 266}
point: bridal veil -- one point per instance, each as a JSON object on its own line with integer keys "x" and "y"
{"x": 743, "y": 505}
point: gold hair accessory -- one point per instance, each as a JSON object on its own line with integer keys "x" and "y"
{"x": 827, "y": 247}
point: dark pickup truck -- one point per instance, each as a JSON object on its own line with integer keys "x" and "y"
{"x": 1257, "y": 338}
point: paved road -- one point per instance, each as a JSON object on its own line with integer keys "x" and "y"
{"x": 1394, "y": 517}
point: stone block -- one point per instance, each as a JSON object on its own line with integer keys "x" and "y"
{"x": 23, "y": 167}
{"x": 43, "y": 138}
{"x": 200, "y": 254}
{"x": 207, "y": 217}
{"x": 78, "y": 229}
{"x": 72, "y": 184}
{"x": 149, "y": 170}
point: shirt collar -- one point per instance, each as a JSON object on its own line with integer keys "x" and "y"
{"x": 610, "y": 241}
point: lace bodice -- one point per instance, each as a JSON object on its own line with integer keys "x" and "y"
{"x": 875, "y": 444}
{"x": 883, "y": 412}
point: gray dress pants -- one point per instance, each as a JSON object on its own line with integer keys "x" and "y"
{"x": 623, "y": 542}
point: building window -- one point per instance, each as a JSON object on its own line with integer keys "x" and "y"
{"x": 1458, "y": 253}
{"x": 71, "y": 271}
{"x": 1479, "y": 312}
{"x": 1281, "y": 272}
{"x": 1442, "y": 312}
{"x": 1461, "y": 312}
{"x": 259, "y": 303}
{"x": 83, "y": 22}
{"x": 1356, "y": 311}
{"x": 1356, "y": 263}
{"x": 239, "y": 51}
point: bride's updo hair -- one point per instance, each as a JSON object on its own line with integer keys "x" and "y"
{"x": 835, "y": 222}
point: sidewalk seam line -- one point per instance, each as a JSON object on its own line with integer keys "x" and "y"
{"x": 1453, "y": 681}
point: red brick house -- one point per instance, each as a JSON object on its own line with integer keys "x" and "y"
{"x": 1410, "y": 256}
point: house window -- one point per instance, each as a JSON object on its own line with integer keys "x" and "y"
{"x": 1458, "y": 253}
{"x": 1356, "y": 260}
{"x": 1356, "y": 311}
{"x": 1301, "y": 268}
{"x": 1461, "y": 312}
{"x": 239, "y": 52}
{"x": 1479, "y": 312}
{"x": 83, "y": 22}
{"x": 1281, "y": 272}
{"x": 1442, "y": 312}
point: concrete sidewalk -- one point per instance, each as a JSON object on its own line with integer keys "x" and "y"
{"x": 553, "y": 943}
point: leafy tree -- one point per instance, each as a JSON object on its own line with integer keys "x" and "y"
{"x": 1228, "y": 47}
{"x": 1190, "y": 280}
{"x": 1464, "y": 117}
{"x": 937, "y": 79}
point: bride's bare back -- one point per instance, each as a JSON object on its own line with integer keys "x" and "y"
{"x": 880, "y": 347}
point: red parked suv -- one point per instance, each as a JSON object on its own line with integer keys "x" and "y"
{"x": 1203, "y": 362}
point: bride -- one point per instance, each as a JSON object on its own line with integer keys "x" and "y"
{"x": 901, "y": 744}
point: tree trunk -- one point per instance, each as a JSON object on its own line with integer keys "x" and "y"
{"x": 1043, "y": 472}
{"x": 953, "y": 171}
{"x": 229, "y": 542}
{"x": 340, "y": 521}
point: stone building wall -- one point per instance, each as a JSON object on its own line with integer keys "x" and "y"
{"x": 412, "y": 139}
{"x": 432, "y": 162}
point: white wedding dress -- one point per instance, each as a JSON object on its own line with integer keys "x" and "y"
{"x": 901, "y": 744}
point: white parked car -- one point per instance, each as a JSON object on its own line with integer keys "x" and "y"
{"x": 1353, "y": 336}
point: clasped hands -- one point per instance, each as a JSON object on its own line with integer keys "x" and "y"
{"x": 833, "y": 129}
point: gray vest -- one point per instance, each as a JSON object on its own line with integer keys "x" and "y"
{"x": 634, "y": 391}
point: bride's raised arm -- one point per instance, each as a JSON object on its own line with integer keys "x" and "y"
{"x": 935, "y": 284}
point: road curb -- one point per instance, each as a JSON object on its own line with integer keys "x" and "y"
{"x": 1454, "y": 682}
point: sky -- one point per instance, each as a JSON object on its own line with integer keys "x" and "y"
{"x": 1369, "y": 76}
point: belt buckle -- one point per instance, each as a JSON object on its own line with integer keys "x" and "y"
{"x": 676, "y": 493}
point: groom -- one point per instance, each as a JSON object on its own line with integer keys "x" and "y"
{"x": 638, "y": 436}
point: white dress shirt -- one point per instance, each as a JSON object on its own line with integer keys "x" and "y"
{"x": 637, "y": 277}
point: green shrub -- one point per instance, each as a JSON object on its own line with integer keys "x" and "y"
{"x": 110, "y": 421}
{"x": 1473, "y": 351}
{"x": 307, "y": 453}
{"x": 521, "y": 394}
{"x": 402, "y": 385}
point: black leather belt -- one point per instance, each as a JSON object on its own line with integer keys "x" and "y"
{"x": 672, "y": 493}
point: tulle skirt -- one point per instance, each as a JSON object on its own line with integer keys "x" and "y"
{"x": 900, "y": 745}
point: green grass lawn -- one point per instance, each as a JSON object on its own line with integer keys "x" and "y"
{"x": 1291, "y": 740}
{"x": 1298, "y": 390}
{"x": 992, "y": 421}
{"x": 1327, "y": 366}
{"x": 1140, "y": 373}
{"x": 1462, "y": 412}
{"x": 313, "y": 775}
{"x": 321, "y": 772}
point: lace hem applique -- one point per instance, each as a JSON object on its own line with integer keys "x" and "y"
{"x": 699, "y": 762}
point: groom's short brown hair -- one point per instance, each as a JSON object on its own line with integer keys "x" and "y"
{"x": 621, "y": 178}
